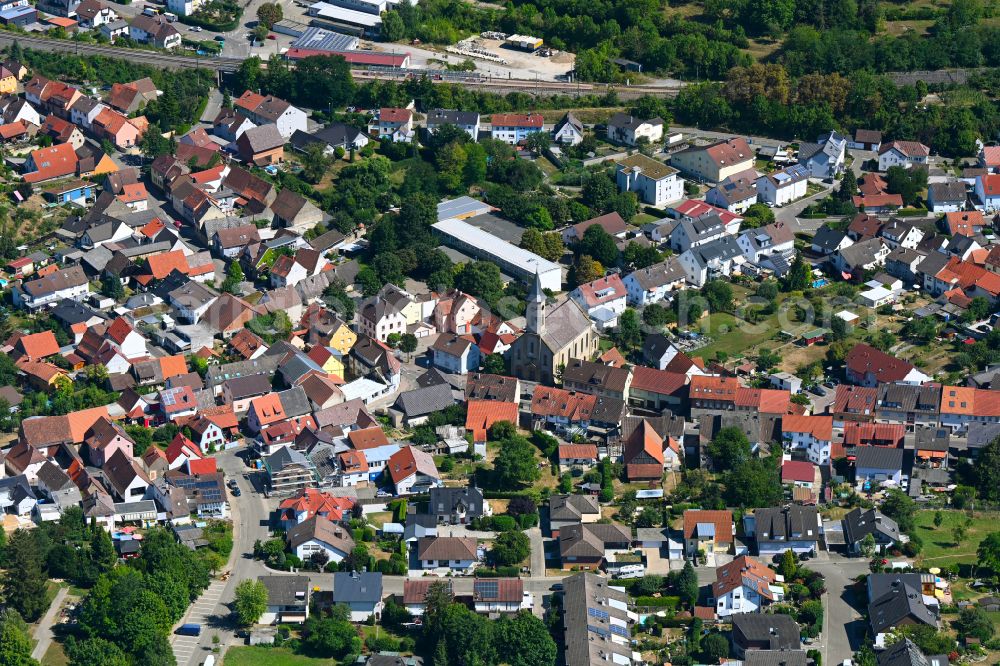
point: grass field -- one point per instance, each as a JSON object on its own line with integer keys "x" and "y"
{"x": 940, "y": 548}
{"x": 245, "y": 655}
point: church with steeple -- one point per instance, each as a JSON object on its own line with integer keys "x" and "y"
{"x": 551, "y": 338}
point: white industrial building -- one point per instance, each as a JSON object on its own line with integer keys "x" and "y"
{"x": 511, "y": 259}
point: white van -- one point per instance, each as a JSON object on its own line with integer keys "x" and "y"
{"x": 631, "y": 571}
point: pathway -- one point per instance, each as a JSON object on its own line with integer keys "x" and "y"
{"x": 43, "y": 632}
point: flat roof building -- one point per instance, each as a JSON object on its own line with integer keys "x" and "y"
{"x": 324, "y": 13}
{"x": 321, "y": 39}
{"x": 511, "y": 259}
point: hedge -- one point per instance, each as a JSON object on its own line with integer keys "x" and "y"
{"x": 672, "y": 603}
{"x": 499, "y": 572}
{"x": 506, "y": 494}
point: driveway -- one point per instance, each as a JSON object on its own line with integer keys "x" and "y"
{"x": 537, "y": 551}
{"x": 43, "y": 632}
{"x": 843, "y": 621}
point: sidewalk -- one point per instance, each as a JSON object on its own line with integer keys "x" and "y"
{"x": 43, "y": 632}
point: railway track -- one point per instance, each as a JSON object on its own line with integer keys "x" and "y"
{"x": 226, "y": 65}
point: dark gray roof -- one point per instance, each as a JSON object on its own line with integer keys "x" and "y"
{"x": 858, "y": 524}
{"x": 828, "y": 238}
{"x": 906, "y": 653}
{"x": 446, "y": 501}
{"x": 721, "y": 249}
{"x": 981, "y": 434}
{"x": 286, "y": 590}
{"x": 949, "y": 191}
{"x": 572, "y": 507}
{"x": 902, "y": 602}
{"x": 778, "y": 632}
{"x": 452, "y": 117}
{"x": 357, "y": 587}
{"x": 879, "y": 457}
{"x": 335, "y": 134}
{"x": 795, "y": 521}
{"x": 775, "y": 658}
{"x": 425, "y": 400}
{"x": 248, "y": 386}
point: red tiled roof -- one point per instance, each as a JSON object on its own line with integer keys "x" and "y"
{"x": 38, "y": 345}
{"x": 870, "y": 434}
{"x": 517, "y": 120}
{"x": 653, "y": 380}
{"x": 710, "y": 387}
{"x": 797, "y": 470}
{"x": 368, "y": 438}
{"x": 577, "y": 452}
{"x": 722, "y": 520}
{"x": 963, "y": 223}
{"x": 864, "y": 359}
{"x": 394, "y": 115}
{"x": 52, "y": 162}
{"x": 482, "y": 414}
{"x": 820, "y": 427}
{"x": 202, "y": 466}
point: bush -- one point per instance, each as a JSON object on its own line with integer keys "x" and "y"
{"x": 669, "y": 603}
{"x": 527, "y": 520}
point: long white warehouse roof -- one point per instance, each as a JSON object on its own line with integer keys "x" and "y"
{"x": 487, "y": 243}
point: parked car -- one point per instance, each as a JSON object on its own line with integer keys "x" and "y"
{"x": 237, "y": 492}
{"x": 818, "y": 390}
{"x": 189, "y": 629}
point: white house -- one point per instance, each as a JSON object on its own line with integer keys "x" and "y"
{"x": 466, "y": 120}
{"x": 903, "y": 154}
{"x": 393, "y": 123}
{"x": 457, "y": 354}
{"x": 457, "y": 554}
{"x": 514, "y": 128}
{"x": 744, "y": 586}
{"x": 767, "y": 241}
{"x": 264, "y": 110}
{"x": 782, "y": 187}
{"x": 568, "y": 131}
{"x": 811, "y": 434}
{"x": 654, "y": 283}
{"x": 184, "y": 7}
{"x": 379, "y": 318}
{"x": 412, "y": 471}
{"x": 826, "y": 158}
{"x": 627, "y": 129}
{"x": 987, "y": 189}
{"x": 603, "y": 299}
{"x": 361, "y": 592}
{"x": 689, "y": 233}
{"x": 720, "y": 258}
{"x": 69, "y": 283}
{"x": 317, "y": 534}
{"x": 736, "y": 193}
{"x": 287, "y": 599}
{"x": 654, "y": 182}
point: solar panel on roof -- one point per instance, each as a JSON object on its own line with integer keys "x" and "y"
{"x": 488, "y": 589}
{"x": 598, "y": 613}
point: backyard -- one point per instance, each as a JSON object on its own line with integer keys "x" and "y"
{"x": 940, "y": 548}
{"x": 244, "y": 655}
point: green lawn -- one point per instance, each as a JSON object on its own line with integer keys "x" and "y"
{"x": 940, "y": 548}
{"x": 55, "y": 655}
{"x": 245, "y": 655}
{"x": 732, "y": 336}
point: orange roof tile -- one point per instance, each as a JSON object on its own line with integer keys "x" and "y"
{"x": 482, "y": 414}
{"x": 38, "y": 345}
{"x": 368, "y": 438}
{"x": 820, "y": 427}
{"x": 172, "y": 366}
{"x": 722, "y": 520}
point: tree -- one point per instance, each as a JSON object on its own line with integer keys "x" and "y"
{"x": 714, "y": 647}
{"x": 393, "y": 28}
{"x": 767, "y": 359}
{"x": 848, "y": 186}
{"x": 938, "y": 519}
{"x": 958, "y": 534}
{"x": 510, "y": 548}
{"x": 629, "y": 333}
{"x": 436, "y": 602}
{"x": 94, "y": 652}
{"x": 908, "y": 183}
{"x": 15, "y": 640}
{"x": 408, "y": 343}
{"x": 234, "y": 276}
{"x": 599, "y": 244}
{"x": 900, "y": 507}
{"x": 316, "y": 162}
{"x": 331, "y": 636}
{"x": 788, "y": 566}
{"x": 250, "y": 602}
{"x": 973, "y": 622}
{"x": 656, "y": 315}
{"x": 269, "y": 13}
{"x": 729, "y": 448}
{"x": 758, "y": 215}
{"x": 586, "y": 269}
{"x": 538, "y": 142}
{"x": 753, "y": 483}
{"x": 515, "y": 465}
{"x": 987, "y": 472}
{"x": 524, "y": 640}
{"x": 24, "y": 581}
{"x": 494, "y": 364}
{"x": 112, "y": 287}
{"x": 719, "y": 295}
{"x": 989, "y": 552}
{"x": 641, "y": 256}
{"x": 799, "y": 276}
{"x": 867, "y": 546}
{"x": 482, "y": 279}
{"x": 102, "y": 551}
{"x": 687, "y": 585}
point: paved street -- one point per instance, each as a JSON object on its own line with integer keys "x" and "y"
{"x": 843, "y": 624}
{"x": 250, "y": 515}
{"x": 43, "y": 632}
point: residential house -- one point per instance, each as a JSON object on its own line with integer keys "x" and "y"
{"x": 862, "y": 256}
{"x": 829, "y": 241}
{"x": 880, "y": 466}
{"x": 902, "y": 154}
{"x": 777, "y": 529}
{"x": 293, "y": 211}
{"x": 289, "y": 471}
{"x": 869, "y": 140}
{"x": 867, "y": 366}
{"x": 457, "y": 506}
{"x": 632, "y": 131}
{"x": 568, "y": 131}
{"x": 736, "y": 193}
{"x": 896, "y": 601}
{"x": 412, "y": 471}
{"x": 756, "y": 632}
{"x": 587, "y": 546}
{"x": 896, "y": 233}
{"x": 566, "y": 510}
{"x": 643, "y": 454}
{"x": 513, "y": 128}
{"x": 44, "y": 164}
{"x": 964, "y": 223}
{"x": 694, "y": 232}
{"x": 824, "y": 159}
{"x": 771, "y": 246}
{"x": 657, "y": 390}
{"x": 287, "y": 599}
{"x": 603, "y": 299}
{"x": 465, "y": 120}
{"x": 744, "y": 586}
{"x": 361, "y": 592}
{"x": 784, "y": 186}
{"x": 596, "y": 378}
{"x": 597, "y": 622}
{"x": 655, "y": 183}
{"x": 93, "y": 14}
{"x": 500, "y": 595}
{"x": 261, "y": 145}
{"x": 457, "y": 354}
{"x": 394, "y": 124}
{"x": 655, "y": 283}
{"x": 331, "y": 137}
{"x": 910, "y": 404}
{"x": 456, "y": 554}
{"x": 860, "y": 523}
{"x": 711, "y": 532}
{"x": 714, "y": 162}
{"x": 987, "y": 192}
{"x": 263, "y": 110}
{"x": 810, "y": 434}
{"x": 319, "y": 535}
{"x": 155, "y": 30}
{"x": 947, "y": 197}
{"x": 55, "y": 287}
{"x": 716, "y": 259}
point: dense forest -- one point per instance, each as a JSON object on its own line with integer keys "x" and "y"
{"x": 704, "y": 40}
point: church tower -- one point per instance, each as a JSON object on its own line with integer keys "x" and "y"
{"x": 535, "y": 314}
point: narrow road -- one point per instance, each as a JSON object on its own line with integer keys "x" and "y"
{"x": 43, "y": 632}
{"x": 537, "y": 552}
